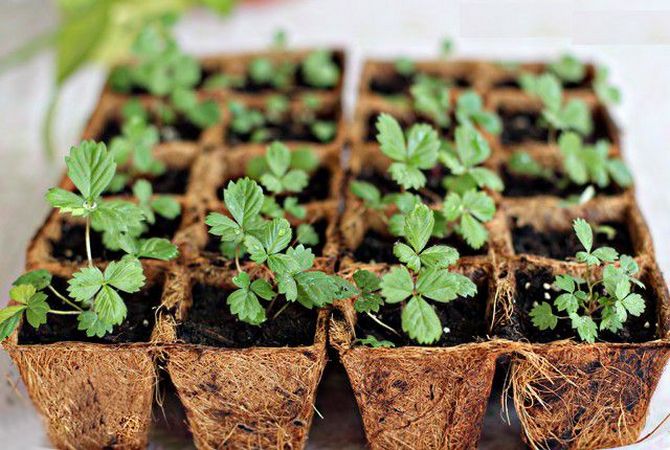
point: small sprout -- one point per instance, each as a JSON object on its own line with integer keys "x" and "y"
{"x": 246, "y": 121}
{"x": 606, "y": 92}
{"x": 470, "y": 111}
{"x": 597, "y": 302}
{"x": 373, "y": 342}
{"x": 319, "y": 70}
{"x": 431, "y": 97}
{"x": 446, "y": 47}
{"x": 276, "y": 107}
{"x": 404, "y": 67}
{"x": 569, "y": 69}
{"x": 279, "y": 39}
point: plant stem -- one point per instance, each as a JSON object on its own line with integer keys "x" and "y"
{"x": 88, "y": 242}
{"x": 47, "y": 125}
{"x": 63, "y": 298}
{"x": 27, "y": 50}
{"x": 237, "y": 259}
{"x": 281, "y": 310}
{"x": 64, "y": 313}
{"x": 373, "y": 317}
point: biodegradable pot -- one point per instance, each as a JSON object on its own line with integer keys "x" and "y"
{"x": 330, "y": 107}
{"x": 513, "y": 107}
{"x": 415, "y": 397}
{"x": 541, "y": 229}
{"x": 255, "y": 397}
{"x": 575, "y": 395}
{"x": 238, "y": 64}
{"x": 90, "y": 395}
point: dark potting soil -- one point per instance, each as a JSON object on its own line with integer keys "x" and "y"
{"x": 72, "y": 244}
{"x": 289, "y": 129}
{"x": 405, "y": 123}
{"x": 137, "y": 327}
{"x": 434, "y": 191}
{"x": 530, "y": 288}
{"x": 396, "y": 83}
{"x": 377, "y": 247}
{"x": 524, "y": 126}
{"x": 173, "y": 181}
{"x": 210, "y": 322}
{"x": 464, "y": 318}
{"x": 563, "y": 244}
{"x": 526, "y": 186}
{"x": 512, "y": 82}
{"x": 111, "y": 129}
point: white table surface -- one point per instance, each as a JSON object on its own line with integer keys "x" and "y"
{"x": 633, "y": 38}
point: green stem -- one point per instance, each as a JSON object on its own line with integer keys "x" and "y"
{"x": 281, "y": 310}
{"x": 63, "y": 298}
{"x": 47, "y": 125}
{"x": 28, "y": 50}
{"x": 237, "y": 259}
{"x": 64, "y": 313}
{"x": 88, "y": 242}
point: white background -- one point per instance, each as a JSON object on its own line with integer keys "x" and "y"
{"x": 633, "y": 38}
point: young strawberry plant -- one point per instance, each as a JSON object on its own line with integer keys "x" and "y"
{"x": 557, "y": 113}
{"x": 470, "y": 111}
{"x": 94, "y": 295}
{"x": 423, "y": 276}
{"x": 268, "y": 243}
{"x": 164, "y": 71}
{"x": 431, "y": 98}
{"x": 319, "y": 70}
{"x": 596, "y": 302}
{"x": 568, "y": 69}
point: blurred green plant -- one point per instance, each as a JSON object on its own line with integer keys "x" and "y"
{"x": 97, "y": 31}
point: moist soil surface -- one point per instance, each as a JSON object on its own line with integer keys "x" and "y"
{"x": 209, "y": 322}
{"x": 563, "y": 244}
{"x": 524, "y": 126}
{"x": 527, "y": 186}
{"x": 531, "y": 288}
{"x": 377, "y": 247}
{"x": 181, "y": 130}
{"x": 137, "y": 327}
{"x": 173, "y": 181}
{"x": 72, "y": 244}
{"x": 395, "y": 83}
{"x": 289, "y": 129}
{"x": 464, "y": 318}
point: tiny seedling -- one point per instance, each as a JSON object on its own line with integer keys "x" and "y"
{"x": 404, "y": 67}
{"x": 423, "y": 276}
{"x": 263, "y": 72}
{"x": 319, "y": 70}
{"x": 276, "y": 108}
{"x": 446, "y": 47}
{"x": 606, "y": 92}
{"x": 247, "y": 122}
{"x": 596, "y": 302}
{"x": 322, "y": 130}
{"x": 431, "y": 98}
{"x": 268, "y": 244}
{"x": 95, "y": 296}
{"x": 557, "y": 114}
{"x": 470, "y": 111}
{"x": 568, "y": 69}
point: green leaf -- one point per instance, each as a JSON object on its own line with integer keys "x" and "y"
{"x": 85, "y": 283}
{"x": 90, "y": 322}
{"x": 439, "y": 256}
{"x": 244, "y": 200}
{"x": 245, "y": 305}
{"x": 276, "y": 235}
{"x": 567, "y": 302}
{"x": 315, "y": 289}
{"x": 444, "y": 286}
{"x": 606, "y": 254}
{"x": 37, "y": 309}
{"x": 256, "y": 250}
{"x": 126, "y": 275}
{"x": 157, "y": 248}
{"x": 565, "y": 283}
{"x": 586, "y": 327}
{"x": 390, "y": 137}
{"x": 397, "y": 285}
{"x": 40, "y": 279}
{"x": 67, "y": 202}
{"x": 166, "y": 206}
{"x": 306, "y": 234}
{"x": 366, "y": 281}
{"x": 543, "y": 317}
{"x": 634, "y": 303}
{"x": 278, "y": 158}
{"x": 91, "y": 168}
{"x": 431, "y": 97}
{"x": 22, "y": 293}
{"x": 420, "y": 321}
{"x": 263, "y": 289}
{"x": 619, "y": 172}
{"x": 422, "y": 146}
{"x": 373, "y": 342}
{"x": 109, "y": 306}
{"x": 474, "y": 233}
{"x": 584, "y": 233}
{"x": 487, "y": 179}
{"x": 223, "y": 226}
{"x": 569, "y": 68}
{"x": 295, "y": 180}
{"x": 368, "y": 192}
{"x": 419, "y": 226}
{"x": 407, "y": 256}
{"x": 9, "y": 320}
{"x": 407, "y": 176}
{"x": 320, "y": 70}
